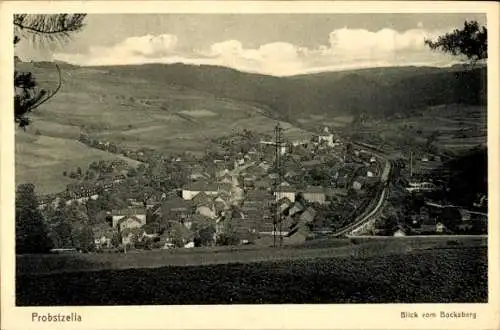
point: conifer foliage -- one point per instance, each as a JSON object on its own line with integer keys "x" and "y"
{"x": 471, "y": 41}
{"x": 39, "y": 28}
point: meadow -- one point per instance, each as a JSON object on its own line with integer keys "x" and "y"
{"x": 446, "y": 275}
{"x": 131, "y": 112}
{"x": 181, "y": 108}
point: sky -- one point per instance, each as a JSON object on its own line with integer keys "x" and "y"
{"x": 274, "y": 44}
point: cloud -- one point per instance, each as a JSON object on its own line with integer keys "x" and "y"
{"x": 133, "y": 50}
{"x": 345, "y": 49}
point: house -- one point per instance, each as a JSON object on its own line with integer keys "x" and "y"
{"x": 357, "y": 185}
{"x": 237, "y": 193}
{"x": 284, "y": 204}
{"x": 291, "y": 175}
{"x": 262, "y": 184}
{"x": 273, "y": 176}
{"x": 189, "y": 245}
{"x": 285, "y": 192}
{"x": 283, "y": 148}
{"x": 203, "y": 199}
{"x": 314, "y": 194}
{"x": 198, "y": 176}
{"x": 207, "y": 211}
{"x": 297, "y": 207}
{"x": 336, "y": 192}
{"x": 194, "y": 188}
{"x": 428, "y": 225}
{"x": 285, "y": 225}
{"x": 265, "y": 166}
{"x": 175, "y": 208}
{"x": 464, "y": 214}
{"x": 103, "y": 234}
{"x": 224, "y": 187}
{"x": 221, "y": 170}
{"x": 254, "y": 172}
{"x": 130, "y": 221}
{"x": 311, "y": 163}
{"x": 296, "y": 236}
{"x": 226, "y": 178}
{"x": 308, "y": 215}
{"x": 296, "y": 143}
{"x": 482, "y": 201}
{"x": 399, "y": 233}
{"x": 328, "y": 139}
{"x": 128, "y": 218}
{"x": 440, "y": 228}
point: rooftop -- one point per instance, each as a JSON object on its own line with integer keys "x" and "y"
{"x": 201, "y": 186}
{"x": 129, "y": 211}
{"x": 315, "y": 189}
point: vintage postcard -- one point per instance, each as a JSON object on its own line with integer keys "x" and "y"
{"x": 249, "y": 165}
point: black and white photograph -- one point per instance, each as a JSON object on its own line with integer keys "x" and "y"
{"x": 251, "y": 158}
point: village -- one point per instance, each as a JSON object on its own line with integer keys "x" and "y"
{"x": 248, "y": 189}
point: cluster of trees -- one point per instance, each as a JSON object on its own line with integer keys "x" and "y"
{"x": 141, "y": 155}
{"x": 239, "y": 141}
{"x": 63, "y": 226}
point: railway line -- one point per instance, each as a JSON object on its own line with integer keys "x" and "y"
{"x": 366, "y": 218}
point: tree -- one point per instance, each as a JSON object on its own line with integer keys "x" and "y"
{"x": 205, "y": 236}
{"x": 54, "y": 27}
{"x": 81, "y": 233}
{"x": 31, "y": 230}
{"x": 61, "y": 230}
{"x": 471, "y": 42}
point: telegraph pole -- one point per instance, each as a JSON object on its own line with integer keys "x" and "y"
{"x": 278, "y": 222}
{"x": 411, "y": 163}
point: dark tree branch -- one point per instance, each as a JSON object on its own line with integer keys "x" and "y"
{"x": 54, "y": 27}
{"x": 471, "y": 41}
{"x": 51, "y": 95}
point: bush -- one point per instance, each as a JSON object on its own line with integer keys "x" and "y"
{"x": 228, "y": 239}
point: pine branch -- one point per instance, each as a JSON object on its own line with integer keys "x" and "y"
{"x": 54, "y": 27}
{"x": 51, "y": 95}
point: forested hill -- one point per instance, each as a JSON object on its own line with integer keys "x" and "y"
{"x": 376, "y": 92}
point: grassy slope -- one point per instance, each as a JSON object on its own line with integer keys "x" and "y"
{"x": 133, "y": 112}
{"x": 375, "y": 91}
{"x": 432, "y": 276}
{"x": 179, "y": 107}
{"x": 42, "y": 160}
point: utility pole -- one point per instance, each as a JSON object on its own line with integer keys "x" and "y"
{"x": 411, "y": 163}
{"x": 278, "y": 142}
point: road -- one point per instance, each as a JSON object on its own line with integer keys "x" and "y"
{"x": 365, "y": 219}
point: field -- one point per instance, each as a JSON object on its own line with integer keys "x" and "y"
{"x": 41, "y": 160}
{"x": 451, "y": 275}
{"x": 181, "y": 108}
{"x": 131, "y": 112}
{"x": 457, "y": 127}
